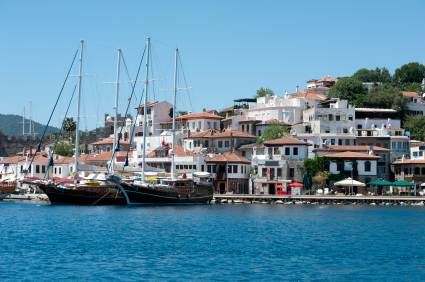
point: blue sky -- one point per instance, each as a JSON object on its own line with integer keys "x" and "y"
{"x": 229, "y": 48}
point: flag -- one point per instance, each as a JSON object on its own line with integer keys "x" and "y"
{"x": 268, "y": 171}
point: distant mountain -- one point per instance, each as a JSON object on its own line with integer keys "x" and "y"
{"x": 12, "y": 125}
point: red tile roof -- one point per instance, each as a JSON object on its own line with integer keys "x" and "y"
{"x": 272, "y": 121}
{"x": 37, "y": 159}
{"x": 353, "y": 156}
{"x": 417, "y": 144}
{"x": 205, "y": 133}
{"x": 109, "y": 141}
{"x": 12, "y": 160}
{"x": 65, "y": 160}
{"x": 203, "y": 115}
{"x": 227, "y": 110}
{"x": 85, "y": 157}
{"x": 31, "y": 153}
{"x": 310, "y": 95}
{"x": 234, "y": 133}
{"x": 249, "y": 120}
{"x": 228, "y": 157}
{"x": 250, "y": 146}
{"x": 328, "y": 79}
{"x": 102, "y": 157}
{"x": 286, "y": 141}
{"x": 178, "y": 152}
{"x": 352, "y": 148}
{"x": 409, "y": 162}
{"x": 411, "y": 94}
{"x": 230, "y": 118}
{"x": 148, "y": 105}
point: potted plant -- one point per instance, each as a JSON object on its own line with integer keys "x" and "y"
{"x": 384, "y": 192}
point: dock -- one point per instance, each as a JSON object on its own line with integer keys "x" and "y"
{"x": 318, "y": 199}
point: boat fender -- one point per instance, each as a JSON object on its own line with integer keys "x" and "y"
{"x": 178, "y": 196}
{"x": 188, "y": 196}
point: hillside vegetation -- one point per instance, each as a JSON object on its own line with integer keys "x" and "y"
{"x": 12, "y": 125}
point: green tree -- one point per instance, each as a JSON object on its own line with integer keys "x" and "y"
{"x": 64, "y": 149}
{"x": 391, "y": 97}
{"x": 349, "y": 89}
{"x": 413, "y": 87}
{"x": 263, "y": 92}
{"x": 410, "y": 73}
{"x": 170, "y": 113}
{"x": 321, "y": 177}
{"x": 416, "y": 126}
{"x": 272, "y": 132}
{"x": 69, "y": 125}
{"x": 376, "y": 75}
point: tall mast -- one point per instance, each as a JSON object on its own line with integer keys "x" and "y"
{"x": 78, "y": 114}
{"x": 145, "y": 109}
{"x": 23, "y": 123}
{"x": 30, "y": 118}
{"x": 116, "y": 106}
{"x": 174, "y": 115}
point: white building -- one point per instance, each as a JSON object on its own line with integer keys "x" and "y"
{"x": 416, "y": 105}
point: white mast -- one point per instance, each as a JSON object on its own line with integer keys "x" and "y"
{"x": 174, "y": 115}
{"x": 78, "y": 114}
{"x": 116, "y": 108}
{"x": 30, "y": 117}
{"x": 145, "y": 109}
{"x": 23, "y": 123}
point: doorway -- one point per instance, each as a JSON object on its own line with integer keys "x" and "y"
{"x": 272, "y": 189}
{"x": 222, "y": 188}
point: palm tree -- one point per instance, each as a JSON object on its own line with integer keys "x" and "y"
{"x": 69, "y": 125}
{"x": 321, "y": 178}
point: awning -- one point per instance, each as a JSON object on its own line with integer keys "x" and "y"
{"x": 381, "y": 183}
{"x": 295, "y": 184}
{"x": 403, "y": 183}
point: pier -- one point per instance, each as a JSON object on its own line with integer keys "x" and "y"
{"x": 315, "y": 199}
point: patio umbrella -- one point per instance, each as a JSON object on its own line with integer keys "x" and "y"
{"x": 309, "y": 181}
{"x": 404, "y": 183}
{"x": 349, "y": 182}
{"x": 280, "y": 186}
{"x": 295, "y": 184}
{"x": 380, "y": 183}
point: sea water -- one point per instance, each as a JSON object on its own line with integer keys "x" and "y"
{"x": 226, "y": 242}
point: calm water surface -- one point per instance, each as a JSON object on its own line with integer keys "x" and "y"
{"x": 213, "y": 242}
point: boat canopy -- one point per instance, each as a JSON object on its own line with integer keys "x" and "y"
{"x": 201, "y": 174}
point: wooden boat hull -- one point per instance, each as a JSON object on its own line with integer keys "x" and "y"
{"x": 6, "y": 190}
{"x": 81, "y": 197}
{"x": 139, "y": 195}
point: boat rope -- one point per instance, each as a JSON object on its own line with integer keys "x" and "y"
{"x": 101, "y": 198}
{"x": 60, "y": 131}
{"x": 131, "y": 135}
{"x": 60, "y": 93}
{"x": 117, "y": 146}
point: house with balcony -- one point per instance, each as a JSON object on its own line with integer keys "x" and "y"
{"x": 410, "y": 170}
{"x": 230, "y": 173}
{"x": 322, "y": 84}
{"x": 383, "y": 164}
{"x": 417, "y": 150}
{"x": 359, "y": 166}
{"x": 217, "y": 141}
{"x": 106, "y": 145}
{"x": 416, "y": 105}
{"x": 232, "y": 123}
{"x": 247, "y": 150}
{"x": 400, "y": 146}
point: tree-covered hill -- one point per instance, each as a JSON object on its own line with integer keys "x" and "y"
{"x": 12, "y": 125}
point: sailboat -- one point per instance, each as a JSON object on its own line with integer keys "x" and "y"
{"x": 168, "y": 190}
{"x": 92, "y": 190}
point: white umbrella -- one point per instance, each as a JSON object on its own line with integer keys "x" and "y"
{"x": 349, "y": 182}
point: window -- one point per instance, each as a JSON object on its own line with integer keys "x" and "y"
{"x": 421, "y": 153}
{"x": 384, "y": 170}
{"x": 340, "y": 166}
{"x": 214, "y": 169}
{"x": 399, "y": 145}
{"x": 394, "y": 144}
{"x": 339, "y": 142}
{"x": 423, "y": 170}
{"x": 347, "y": 142}
{"x": 338, "y": 130}
{"x": 206, "y": 143}
{"x": 331, "y": 117}
{"x": 291, "y": 172}
{"x": 56, "y": 170}
{"x": 415, "y": 154}
{"x": 177, "y": 166}
{"x": 287, "y": 151}
{"x": 343, "y": 117}
{"x": 259, "y": 132}
{"x": 417, "y": 170}
{"x": 37, "y": 169}
{"x": 295, "y": 151}
{"x": 367, "y": 166}
{"x": 190, "y": 166}
{"x": 247, "y": 127}
{"x": 193, "y": 125}
{"x": 332, "y": 141}
{"x": 226, "y": 144}
{"x": 229, "y": 169}
{"x": 279, "y": 172}
{"x": 186, "y": 167}
{"x": 235, "y": 169}
{"x": 406, "y": 171}
{"x": 43, "y": 169}
{"x": 359, "y": 126}
{"x": 220, "y": 144}
{"x": 60, "y": 170}
{"x": 194, "y": 143}
{"x": 199, "y": 124}
{"x": 264, "y": 171}
{"x": 384, "y": 157}
{"x": 243, "y": 153}
{"x": 22, "y": 168}
{"x": 215, "y": 125}
{"x": 350, "y": 117}
{"x": 194, "y": 167}
{"x": 337, "y": 118}
{"x": 327, "y": 129}
{"x": 386, "y": 146}
{"x": 181, "y": 166}
{"x": 208, "y": 125}
{"x": 202, "y": 167}
{"x": 243, "y": 128}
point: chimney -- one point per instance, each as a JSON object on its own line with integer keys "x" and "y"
{"x": 371, "y": 150}
{"x": 190, "y": 112}
{"x": 403, "y": 158}
{"x": 350, "y": 106}
{"x": 227, "y": 115}
{"x": 204, "y": 110}
{"x": 297, "y": 89}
